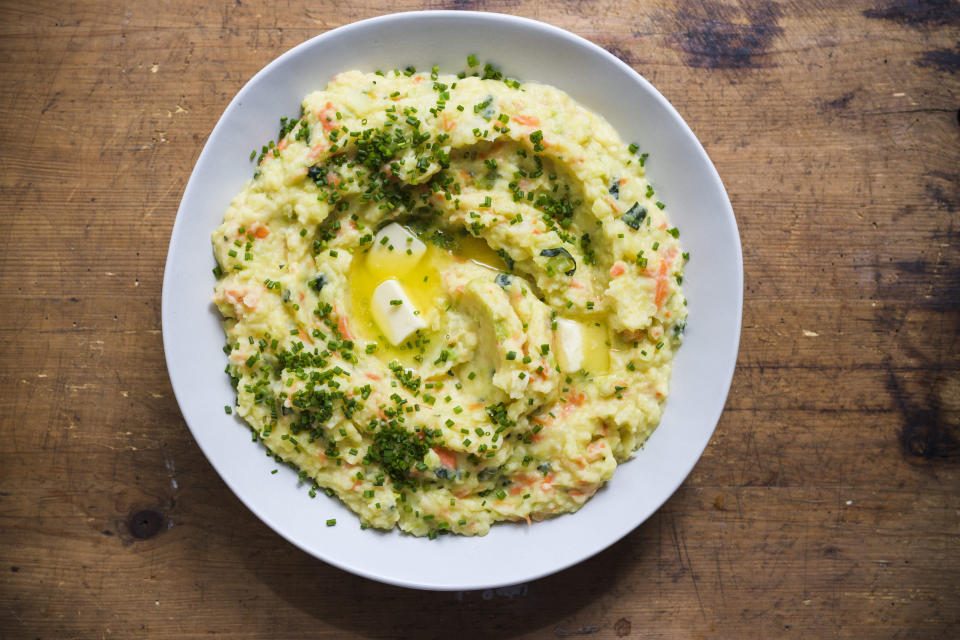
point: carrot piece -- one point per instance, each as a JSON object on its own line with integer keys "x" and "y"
{"x": 324, "y": 117}
{"x": 343, "y": 327}
{"x": 372, "y": 375}
{"x": 530, "y": 121}
{"x": 617, "y": 270}
{"x": 447, "y": 457}
{"x": 318, "y": 148}
{"x": 261, "y": 232}
{"x": 660, "y": 293}
{"x": 547, "y": 484}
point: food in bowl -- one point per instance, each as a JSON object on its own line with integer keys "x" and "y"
{"x": 449, "y": 300}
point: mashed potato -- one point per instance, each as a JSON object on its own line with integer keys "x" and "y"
{"x": 449, "y": 301}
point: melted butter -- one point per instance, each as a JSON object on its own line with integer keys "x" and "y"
{"x": 596, "y": 351}
{"x": 423, "y": 284}
{"x": 479, "y": 252}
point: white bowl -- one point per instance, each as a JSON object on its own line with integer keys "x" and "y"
{"x": 678, "y": 167}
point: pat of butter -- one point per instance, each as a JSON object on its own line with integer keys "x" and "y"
{"x": 395, "y": 251}
{"x": 393, "y": 312}
{"x": 569, "y": 345}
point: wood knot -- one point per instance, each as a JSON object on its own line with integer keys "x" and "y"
{"x": 622, "y": 627}
{"x": 145, "y": 524}
{"x": 917, "y": 445}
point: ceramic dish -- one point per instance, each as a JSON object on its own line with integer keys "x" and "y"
{"x": 703, "y": 368}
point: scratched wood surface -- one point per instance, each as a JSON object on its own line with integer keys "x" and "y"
{"x": 828, "y": 502}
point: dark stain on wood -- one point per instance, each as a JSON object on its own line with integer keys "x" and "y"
{"x": 560, "y": 632}
{"x": 944, "y": 59}
{"x": 939, "y": 281}
{"x": 15, "y": 569}
{"x": 924, "y": 434}
{"x": 145, "y": 524}
{"x": 842, "y": 101}
{"x": 623, "y": 54}
{"x": 475, "y": 5}
{"x": 918, "y": 13}
{"x": 837, "y": 104}
{"x": 940, "y": 195}
{"x": 719, "y": 36}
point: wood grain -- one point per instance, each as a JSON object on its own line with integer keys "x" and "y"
{"x": 828, "y": 502}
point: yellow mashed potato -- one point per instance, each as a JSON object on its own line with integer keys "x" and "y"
{"x": 449, "y": 301}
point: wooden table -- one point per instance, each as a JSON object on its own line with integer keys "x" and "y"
{"x": 828, "y": 502}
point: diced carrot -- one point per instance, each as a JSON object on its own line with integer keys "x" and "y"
{"x": 576, "y": 284}
{"x": 282, "y": 144}
{"x": 303, "y": 334}
{"x": 596, "y": 450}
{"x": 318, "y": 148}
{"x": 474, "y": 406}
{"x": 447, "y": 457}
{"x": 530, "y": 121}
{"x": 576, "y": 398}
{"x": 261, "y": 232}
{"x": 326, "y": 120}
{"x": 617, "y": 269}
{"x": 344, "y": 327}
{"x": 547, "y": 484}
{"x": 448, "y": 122}
{"x": 418, "y": 80}
{"x": 356, "y": 484}
{"x": 372, "y": 375}
{"x": 660, "y": 293}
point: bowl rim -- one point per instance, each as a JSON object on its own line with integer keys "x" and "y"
{"x": 556, "y": 32}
